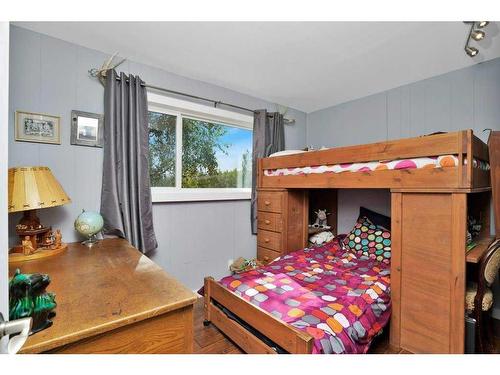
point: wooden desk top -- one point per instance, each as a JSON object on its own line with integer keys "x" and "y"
{"x": 100, "y": 289}
{"x": 475, "y": 255}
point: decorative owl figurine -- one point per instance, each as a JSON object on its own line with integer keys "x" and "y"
{"x": 28, "y": 298}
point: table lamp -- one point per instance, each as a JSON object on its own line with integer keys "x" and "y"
{"x": 32, "y": 188}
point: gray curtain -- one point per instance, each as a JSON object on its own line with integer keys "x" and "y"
{"x": 126, "y": 195}
{"x": 268, "y": 137}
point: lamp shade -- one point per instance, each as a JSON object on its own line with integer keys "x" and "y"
{"x": 32, "y": 188}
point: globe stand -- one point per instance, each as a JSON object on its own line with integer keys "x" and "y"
{"x": 89, "y": 224}
{"x": 92, "y": 240}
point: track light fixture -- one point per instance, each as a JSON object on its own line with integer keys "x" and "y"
{"x": 477, "y": 34}
{"x": 474, "y": 34}
{"x": 471, "y": 51}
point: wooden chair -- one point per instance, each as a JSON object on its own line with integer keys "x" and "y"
{"x": 479, "y": 298}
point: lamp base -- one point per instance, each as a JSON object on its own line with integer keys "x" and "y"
{"x": 30, "y": 228}
{"x": 16, "y": 253}
{"x": 36, "y": 240}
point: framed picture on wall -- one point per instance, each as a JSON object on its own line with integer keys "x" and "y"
{"x": 37, "y": 127}
{"x": 86, "y": 129}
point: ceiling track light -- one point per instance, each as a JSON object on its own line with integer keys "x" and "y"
{"x": 474, "y": 34}
{"x": 477, "y": 35}
{"x": 471, "y": 51}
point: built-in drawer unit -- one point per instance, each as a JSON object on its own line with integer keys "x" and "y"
{"x": 266, "y": 255}
{"x": 270, "y": 240}
{"x": 270, "y": 221}
{"x": 270, "y": 201}
{"x": 281, "y": 221}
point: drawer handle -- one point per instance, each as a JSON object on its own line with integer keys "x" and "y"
{"x": 266, "y": 240}
{"x": 267, "y": 203}
{"x": 267, "y": 222}
{"x": 398, "y": 269}
{"x": 266, "y": 258}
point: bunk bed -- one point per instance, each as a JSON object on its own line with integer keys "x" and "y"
{"x": 461, "y": 162}
{"x": 445, "y": 177}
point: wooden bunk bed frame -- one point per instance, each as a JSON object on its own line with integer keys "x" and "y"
{"x": 409, "y": 189}
{"x": 464, "y": 144}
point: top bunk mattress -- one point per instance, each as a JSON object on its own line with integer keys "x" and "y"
{"x": 342, "y": 301}
{"x": 444, "y": 161}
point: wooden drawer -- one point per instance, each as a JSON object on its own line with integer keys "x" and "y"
{"x": 269, "y": 240}
{"x": 266, "y": 255}
{"x": 270, "y": 201}
{"x": 164, "y": 334}
{"x": 269, "y": 221}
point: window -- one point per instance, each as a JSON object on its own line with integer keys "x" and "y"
{"x": 162, "y": 149}
{"x": 197, "y": 152}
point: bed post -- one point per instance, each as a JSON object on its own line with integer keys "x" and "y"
{"x": 206, "y": 302}
{"x": 304, "y": 344}
{"x": 260, "y": 173}
{"x": 395, "y": 327}
{"x": 465, "y": 147}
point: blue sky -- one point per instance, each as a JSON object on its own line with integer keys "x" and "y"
{"x": 239, "y": 140}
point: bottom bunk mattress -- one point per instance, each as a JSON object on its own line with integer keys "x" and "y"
{"x": 342, "y": 301}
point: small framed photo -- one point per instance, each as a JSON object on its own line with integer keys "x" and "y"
{"x": 38, "y": 127}
{"x": 86, "y": 129}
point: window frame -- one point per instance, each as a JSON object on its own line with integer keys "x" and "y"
{"x": 180, "y": 109}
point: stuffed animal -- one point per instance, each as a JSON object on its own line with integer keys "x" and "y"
{"x": 321, "y": 219}
{"x": 242, "y": 265}
{"x": 321, "y": 238}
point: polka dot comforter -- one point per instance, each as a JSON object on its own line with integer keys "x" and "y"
{"x": 339, "y": 299}
{"x": 443, "y": 161}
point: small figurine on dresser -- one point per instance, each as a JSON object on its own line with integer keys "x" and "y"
{"x": 57, "y": 239}
{"x": 27, "y": 246}
{"x": 48, "y": 239}
{"x": 28, "y": 298}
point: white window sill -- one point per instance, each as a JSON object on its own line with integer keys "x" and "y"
{"x": 160, "y": 195}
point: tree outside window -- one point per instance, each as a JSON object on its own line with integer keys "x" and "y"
{"x": 214, "y": 155}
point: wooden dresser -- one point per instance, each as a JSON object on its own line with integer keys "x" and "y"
{"x": 112, "y": 299}
{"x": 282, "y": 222}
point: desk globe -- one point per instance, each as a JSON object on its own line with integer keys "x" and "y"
{"x": 88, "y": 224}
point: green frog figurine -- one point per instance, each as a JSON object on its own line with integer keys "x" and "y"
{"x": 28, "y": 298}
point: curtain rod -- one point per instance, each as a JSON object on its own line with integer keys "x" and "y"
{"x": 215, "y": 102}
{"x": 95, "y": 72}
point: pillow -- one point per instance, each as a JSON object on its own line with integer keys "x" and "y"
{"x": 286, "y": 152}
{"x": 370, "y": 240}
{"x": 376, "y": 218}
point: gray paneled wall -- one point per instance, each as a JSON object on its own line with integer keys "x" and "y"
{"x": 466, "y": 98}
{"x": 50, "y": 76}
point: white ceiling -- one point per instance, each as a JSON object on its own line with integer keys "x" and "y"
{"x": 303, "y": 65}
